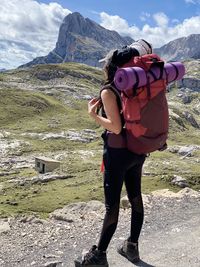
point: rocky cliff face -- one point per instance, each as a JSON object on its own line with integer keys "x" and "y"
{"x": 181, "y": 49}
{"x": 191, "y": 83}
{"x": 191, "y": 79}
{"x": 82, "y": 40}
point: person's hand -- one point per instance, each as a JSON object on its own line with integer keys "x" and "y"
{"x": 93, "y": 105}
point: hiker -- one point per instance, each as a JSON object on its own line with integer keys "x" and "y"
{"x": 120, "y": 164}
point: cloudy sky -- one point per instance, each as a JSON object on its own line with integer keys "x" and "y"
{"x": 29, "y": 28}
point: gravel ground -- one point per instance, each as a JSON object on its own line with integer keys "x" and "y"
{"x": 170, "y": 235}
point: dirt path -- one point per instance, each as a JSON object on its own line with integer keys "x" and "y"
{"x": 170, "y": 236}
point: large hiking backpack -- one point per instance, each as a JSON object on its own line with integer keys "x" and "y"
{"x": 145, "y": 109}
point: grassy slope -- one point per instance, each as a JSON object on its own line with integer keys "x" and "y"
{"x": 24, "y": 111}
{"x": 29, "y": 111}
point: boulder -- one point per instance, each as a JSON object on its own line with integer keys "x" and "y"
{"x": 4, "y": 226}
{"x": 179, "y": 181}
{"x": 190, "y": 118}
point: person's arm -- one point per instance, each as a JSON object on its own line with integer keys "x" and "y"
{"x": 113, "y": 120}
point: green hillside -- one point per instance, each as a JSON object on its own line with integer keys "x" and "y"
{"x": 23, "y": 111}
{"x": 51, "y": 99}
{"x": 31, "y": 98}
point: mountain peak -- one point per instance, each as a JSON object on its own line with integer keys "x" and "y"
{"x": 82, "y": 40}
{"x": 181, "y": 49}
{"x": 73, "y": 22}
{"x": 73, "y": 16}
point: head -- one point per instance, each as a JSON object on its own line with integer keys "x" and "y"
{"x": 110, "y": 65}
{"x": 117, "y": 58}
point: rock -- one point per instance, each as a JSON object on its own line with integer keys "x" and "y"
{"x": 186, "y": 99}
{"x": 125, "y": 204}
{"x": 89, "y": 131}
{"x": 77, "y": 211}
{"x": 179, "y": 181}
{"x": 1, "y": 189}
{"x": 93, "y": 205}
{"x": 189, "y": 117}
{"x": 187, "y": 150}
{"x": 52, "y": 264}
{"x": 41, "y": 178}
{"x": 197, "y": 108}
{"x": 163, "y": 193}
{"x": 10, "y": 146}
{"x": 4, "y": 134}
{"x": 183, "y": 151}
{"x": 84, "y": 136}
{"x": 4, "y": 226}
{"x": 173, "y": 149}
{"x": 28, "y": 219}
{"x": 189, "y": 82}
{"x": 44, "y": 178}
{"x": 49, "y": 74}
{"x": 188, "y": 192}
{"x": 11, "y": 202}
{"x": 87, "y": 97}
{"x": 182, "y": 193}
{"x": 69, "y": 212}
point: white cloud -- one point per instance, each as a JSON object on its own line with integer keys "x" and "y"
{"x": 161, "y": 19}
{"x": 192, "y": 1}
{"x": 158, "y": 35}
{"x": 144, "y": 16}
{"x": 28, "y": 29}
{"x": 118, "y": 24}
{"x": 175, "y": 21}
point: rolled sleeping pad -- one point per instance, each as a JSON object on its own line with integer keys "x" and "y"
{"x": 174, "y": 71}
{"x": 127, "y": 78}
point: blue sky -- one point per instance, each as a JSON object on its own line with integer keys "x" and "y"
{"x": 32, "y": 31}
{"x": 133, "y": 10}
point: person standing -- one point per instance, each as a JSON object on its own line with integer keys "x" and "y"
{"x": 120, "y": 164}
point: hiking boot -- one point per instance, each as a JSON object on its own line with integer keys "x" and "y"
{"x": 130, "y": 251}
{"x": 93, "y": 258}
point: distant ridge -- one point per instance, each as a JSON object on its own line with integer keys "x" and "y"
{"x": 2, "y": 70}
{"x": 181, "y": 49}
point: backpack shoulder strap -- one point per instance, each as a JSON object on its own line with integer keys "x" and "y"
{"x": 119, "y": 100}
{"x": 115, "y": 91}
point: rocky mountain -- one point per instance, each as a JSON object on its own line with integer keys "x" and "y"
{"x": 181, "y": 49}
{"x": 81, "y": 40}
{"x": 2, "y": 70}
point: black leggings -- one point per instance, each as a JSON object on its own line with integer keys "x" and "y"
{"x": 121, "y": 165}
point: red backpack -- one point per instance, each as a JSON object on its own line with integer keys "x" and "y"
{"x": 145, "y": 110}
